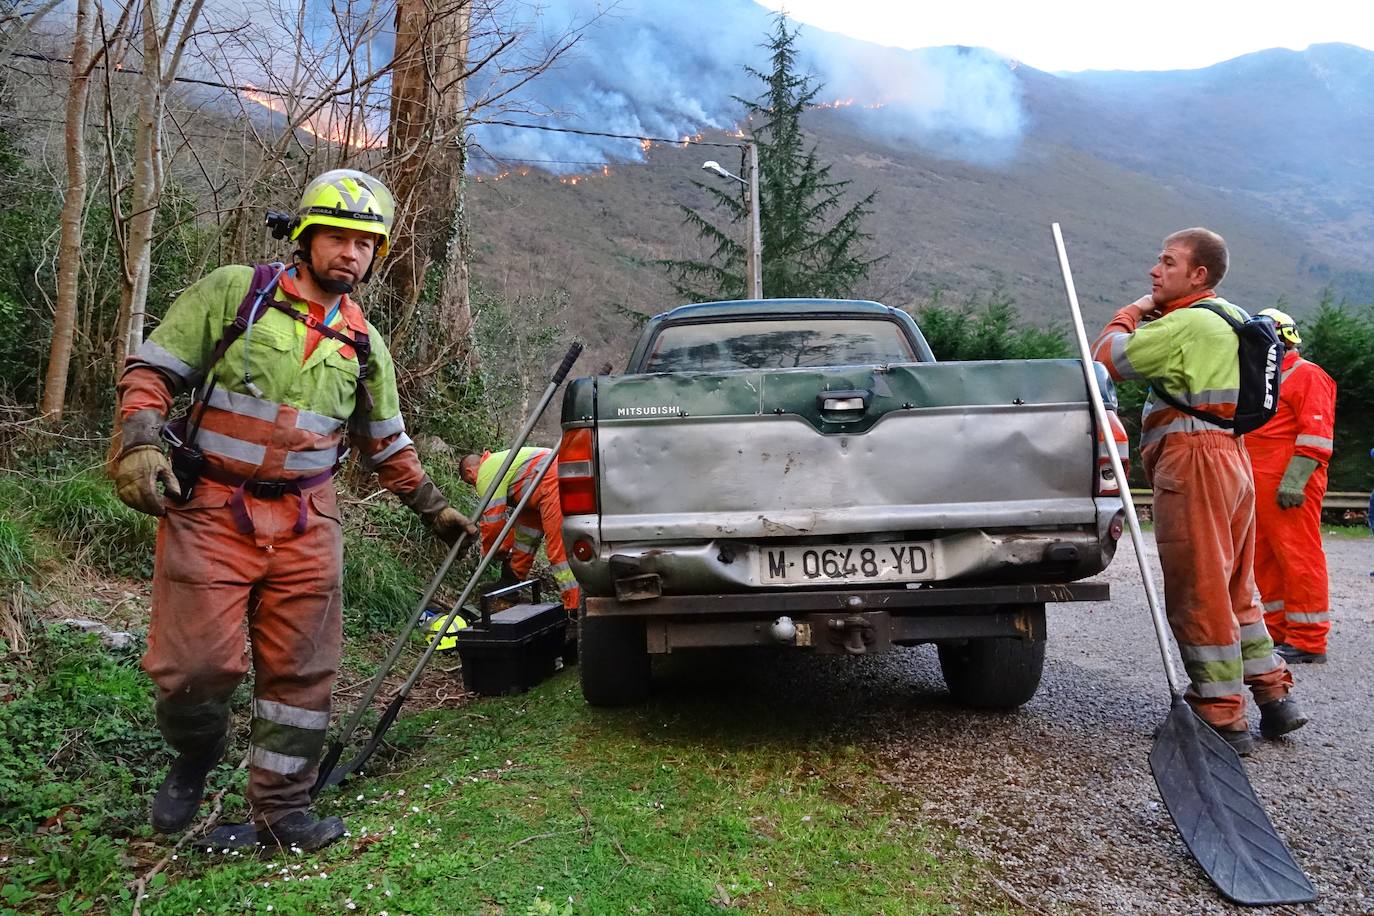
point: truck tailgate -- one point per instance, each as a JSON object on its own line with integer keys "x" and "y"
{"x": 787, "y": 453}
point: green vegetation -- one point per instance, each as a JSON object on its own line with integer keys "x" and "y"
{"x": 990, "y": 330}
{"x": 538, "y": 804}
{"x": 812, "y": 243}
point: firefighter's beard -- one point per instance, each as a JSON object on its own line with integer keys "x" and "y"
{"x": 327, "y": 283}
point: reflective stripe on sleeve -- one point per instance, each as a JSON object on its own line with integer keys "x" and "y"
{"x": 154, "y": 354}
{"x": 1273, "y": 605}
{"x": 1314, "y": 442}
{"x": 401, "y": 442}
{"x": 380, "y": 429}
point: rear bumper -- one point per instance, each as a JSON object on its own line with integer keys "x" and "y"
{"x": 717, "y": 565}
{"x": 854, "y": 622}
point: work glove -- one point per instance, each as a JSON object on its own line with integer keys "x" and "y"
{"x": 450, "y": 524}
{"x": 137, "y": 473}
{"x": 1295, "y": 476}
{"x": 428, "y": 502}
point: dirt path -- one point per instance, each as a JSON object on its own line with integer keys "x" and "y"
{"x": 1058, "y": 795}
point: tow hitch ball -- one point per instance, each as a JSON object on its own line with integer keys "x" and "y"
{"x": 853, "y": 632}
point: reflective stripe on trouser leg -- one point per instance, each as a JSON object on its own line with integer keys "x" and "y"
{"x": 1269, "y": 574}
{"x": 296, "y": 631}
{"x": 551, "y": 518}
{"x": 522, "y": 551}
{"x": 1205, "y": 533}
{"x": 203, "y": 573}
{"x": 1299, "y": 566}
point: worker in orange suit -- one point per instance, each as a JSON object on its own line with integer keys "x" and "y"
{"x": 1289, "y": 455}
{"x": 286, "y": 370}
{"x": 1204, "y": 496}
{"x": 542, "y": 518}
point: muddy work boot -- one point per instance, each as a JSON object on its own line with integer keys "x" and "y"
{"x": 1295, "y": 656}
{"x": 179, "y": 797}
{"x": 1241, "y": 741}
{"x": 301, "y": 830}
{"x": 1279, "y": 717}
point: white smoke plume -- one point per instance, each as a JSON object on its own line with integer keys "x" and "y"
{"x": 670, "y": 69}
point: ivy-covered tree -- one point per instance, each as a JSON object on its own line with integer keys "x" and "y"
{"x": 812, "y": 244}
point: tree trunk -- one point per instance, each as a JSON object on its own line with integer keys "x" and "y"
{"x": 407, "y": 140}
{"x": 454, "y": 314}
{"x": 148, "y": 179}
{"x": 73, "y": 208}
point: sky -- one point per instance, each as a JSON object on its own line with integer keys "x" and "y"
{"x": 1060, "y": 35}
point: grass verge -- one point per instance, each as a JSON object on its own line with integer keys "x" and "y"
{"x": 538, "y": 804}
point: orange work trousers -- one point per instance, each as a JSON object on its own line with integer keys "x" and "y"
{"x": 224, "y": 600}
{"x": 1290, "y": 564}
{"x": 542, "y": 519}
{"x": 1204, "y": 506}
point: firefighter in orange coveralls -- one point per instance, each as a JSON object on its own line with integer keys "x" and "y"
{"x": 1204, "y": 500}
{"x": 1289, "y": 455}
{"x": 258, "y": 537}
{"x": 542, "y": 518}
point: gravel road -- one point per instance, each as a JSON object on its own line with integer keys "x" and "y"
{"x": 1058, "y": 795}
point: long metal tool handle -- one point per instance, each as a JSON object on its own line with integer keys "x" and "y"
{"x": 555, "y": 381}
{"x": 394, "y": 708}
{"x": 1100, "y": 412}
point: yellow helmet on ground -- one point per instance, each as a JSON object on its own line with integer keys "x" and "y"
{"x": 434, "y": 623}
{"x": 348, "y": 199}
{"x": 1287, "y": 327}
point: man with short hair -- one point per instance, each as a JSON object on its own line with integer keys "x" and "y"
{"x": 286, "y": 370}
{"x": 1204, "y": 498}
{"x": 542, "y": 518}
{"x": 1289, "y": 455}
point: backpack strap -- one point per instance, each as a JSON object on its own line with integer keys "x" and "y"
{"x": 1205, "y": 415}
{"x": 360, "y": 341}
{"x": 260, "y": 289}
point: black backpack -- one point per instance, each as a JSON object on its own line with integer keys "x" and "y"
{"x": 1261, "y": 359}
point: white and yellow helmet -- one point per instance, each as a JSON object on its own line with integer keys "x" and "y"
{"x": 1284, "y": 323}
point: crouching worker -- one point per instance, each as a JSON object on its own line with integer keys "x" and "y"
{"x": 287, "y": 372}
{"x": 542, "y": 518}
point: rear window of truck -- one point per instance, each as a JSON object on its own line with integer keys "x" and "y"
{"x": 785, "y": 343}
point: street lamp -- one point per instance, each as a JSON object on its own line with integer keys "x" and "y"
{"x": 753, "y": 254}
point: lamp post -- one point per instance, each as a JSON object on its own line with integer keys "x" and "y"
{"x": 753, "y": 254}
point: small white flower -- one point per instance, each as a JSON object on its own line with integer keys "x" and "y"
{"x": 400, "y": 792}
{"x": 369, "y": 887}
{"x": 360, "y": 797}
{"x": 415, "y": 809}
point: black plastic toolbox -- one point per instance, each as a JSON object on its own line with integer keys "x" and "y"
{"x": 510, "y": 651}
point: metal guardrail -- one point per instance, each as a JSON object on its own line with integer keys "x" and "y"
{"x": 1341, "y": 500}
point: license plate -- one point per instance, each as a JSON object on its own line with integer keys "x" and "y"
{"x": 905, "y": 562}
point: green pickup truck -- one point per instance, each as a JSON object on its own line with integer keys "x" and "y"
{"x": 803, "y": 474}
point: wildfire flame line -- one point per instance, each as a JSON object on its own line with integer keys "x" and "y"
{"x": 325, "y": 124}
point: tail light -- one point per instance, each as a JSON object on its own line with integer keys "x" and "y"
{"x": 1107, "y": 484}
{"x": 576, "y": 472}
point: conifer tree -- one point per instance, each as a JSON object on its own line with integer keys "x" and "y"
{"x": 812, "y": 244}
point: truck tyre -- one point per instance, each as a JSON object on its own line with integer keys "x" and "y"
{"x": 993, "y": 672}
{"x": 613, "y": 661}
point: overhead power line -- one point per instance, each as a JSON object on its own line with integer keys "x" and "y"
{"x": 681, "y": 141}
